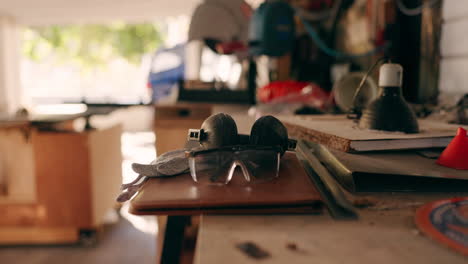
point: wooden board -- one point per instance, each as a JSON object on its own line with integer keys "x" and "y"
{"x": 342, "y": 134}
{"x": 63, "y": 179}
{"x": 398, "y": 163}
{"x": 19, "y": 214}
{"x": 390, "y": 171}
{"x": 180, "y": 195}
{"x": 17, "y": 176}
{"x": 384, "y": 233}
{"x": 105, "y": 169}
{"x": 37, "y": 235}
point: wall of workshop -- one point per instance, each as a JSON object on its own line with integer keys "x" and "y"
{"x": 10, "y": 88}
{"x": 453, "y": 78}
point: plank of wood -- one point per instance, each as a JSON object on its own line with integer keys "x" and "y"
{"x": 19, "y": 214}
{"x": 38, "y": 235}
{"x": 292, "y": 188}
{"x": 105, "y": 170}
{"x": 390, "y": 171}
{"x": 342, "y": 134}
{"x": 429, "y": 60}
{"x": 17, "y": 174}
{"x": 63, "y": 179}
{"x": 387, "y": 235}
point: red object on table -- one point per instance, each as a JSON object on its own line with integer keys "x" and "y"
{"x": 294, "y": 92}
{"x": 455, "y": 154}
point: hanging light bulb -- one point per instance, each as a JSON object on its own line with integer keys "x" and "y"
{"x": 389, "y": 111}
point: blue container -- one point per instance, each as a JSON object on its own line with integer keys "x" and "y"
{"x": 272, "y": 29}
{"x": 167, "y": 69}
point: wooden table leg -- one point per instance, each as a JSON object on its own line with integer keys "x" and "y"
{"x": 162, "y": 221}
{"x": 173, "y": 239}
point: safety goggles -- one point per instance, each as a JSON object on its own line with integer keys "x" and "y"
{"x": 217, "y": 166}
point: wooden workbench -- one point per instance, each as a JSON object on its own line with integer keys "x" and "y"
{"x": 384, "y": 233}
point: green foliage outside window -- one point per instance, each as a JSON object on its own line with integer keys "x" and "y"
{"x": 91, "y": 46}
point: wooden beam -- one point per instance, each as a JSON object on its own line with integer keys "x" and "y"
{"x": 431, "y": 32}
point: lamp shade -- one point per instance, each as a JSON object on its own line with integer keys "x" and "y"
{"x": 389, "y": 111}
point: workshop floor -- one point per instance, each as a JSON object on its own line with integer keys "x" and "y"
{"x": 119, "y": 243}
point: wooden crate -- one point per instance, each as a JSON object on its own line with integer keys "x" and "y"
{"x": 57, "y": 183}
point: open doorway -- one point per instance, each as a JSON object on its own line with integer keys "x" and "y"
{"x": 93, "y": 63}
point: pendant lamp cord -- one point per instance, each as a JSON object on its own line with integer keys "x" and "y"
{"x": 355, "y": 112}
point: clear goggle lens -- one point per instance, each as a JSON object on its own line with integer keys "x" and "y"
{"x": 238, "y": 167}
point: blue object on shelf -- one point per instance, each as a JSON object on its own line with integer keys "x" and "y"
{"x": 272, "y": 29}
{"x": 167, "y": 69}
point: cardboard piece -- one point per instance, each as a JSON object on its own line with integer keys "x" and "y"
{"x": 394, "y": 171}
{"x": 338, "y": 132}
